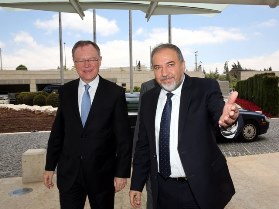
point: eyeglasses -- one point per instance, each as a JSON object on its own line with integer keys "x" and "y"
{"x": 90, "y": 61}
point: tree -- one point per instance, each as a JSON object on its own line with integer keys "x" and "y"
{"x": 212, "y": 75}
{"x": 226, "y": 68}
{"x": 216, "y": 73}
{"x": 138, "y": 65}
{"x": 21, "y": 67}
{"x": 226, "y": 71}
{"x": 237, "y": 66}
{"x": 232, "y": 81}
{"x": 268, "y": 69}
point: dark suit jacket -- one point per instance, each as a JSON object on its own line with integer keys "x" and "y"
{"x": 146, "y": 86}
{"x": 102, "y": 147}
{"x": 201, "y": 106}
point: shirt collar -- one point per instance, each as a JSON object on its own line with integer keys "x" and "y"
{"x": 93, "y": 84}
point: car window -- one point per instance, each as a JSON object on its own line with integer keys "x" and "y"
{"x": 132, "y": 100}
{"x": 51, "y": 88}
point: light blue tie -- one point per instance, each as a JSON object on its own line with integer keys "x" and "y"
{"x": 85, "y": 104}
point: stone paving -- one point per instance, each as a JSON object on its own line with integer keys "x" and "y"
{"x": 12, "y": 146}
{"x": 266, "y": 143}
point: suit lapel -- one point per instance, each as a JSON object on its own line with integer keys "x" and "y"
{"x": 185, "y": 100}
{"x": 74, "y": 95}
{"x": 152, "y": 111}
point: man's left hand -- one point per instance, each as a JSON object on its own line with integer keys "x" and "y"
{"x": 119, "y": 183}
{"x": 230, "y": 112}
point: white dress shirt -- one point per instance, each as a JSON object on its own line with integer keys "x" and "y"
{"x": 92, "y": 90}
{"x": 176, "y": 165}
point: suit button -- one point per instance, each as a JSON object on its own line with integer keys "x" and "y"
{"x": 82, "y": 157}
{"x": 155, "y": 156}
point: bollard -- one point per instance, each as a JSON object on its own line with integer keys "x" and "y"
{"x": 33, "y": 162}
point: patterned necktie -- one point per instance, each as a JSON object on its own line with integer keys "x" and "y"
{"x": 85, "y": 104}
{"x": 164, "y": 139}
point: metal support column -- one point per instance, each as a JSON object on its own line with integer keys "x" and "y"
{"x": 131, "y": 52}
{"x": 61, "y": 50}
{"x": 94, "y": 26}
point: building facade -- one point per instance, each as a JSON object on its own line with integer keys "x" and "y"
{"x": 24, "y": 80}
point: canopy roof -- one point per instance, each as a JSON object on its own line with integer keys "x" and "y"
{"x": 271, "y": 3}
{"x": 148, "y": 7}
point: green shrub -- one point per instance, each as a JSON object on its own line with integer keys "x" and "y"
{"x": 261, "y": 89}
{"x": 19, "y": 99}
{"x": 43, "y": 93}
{"x": 39, "y": 100}
{"x": 53, "y": 100}
{"x": 20, "y": 96}
{"x": 28, "y": 98}
{"x": 136, "y": 89}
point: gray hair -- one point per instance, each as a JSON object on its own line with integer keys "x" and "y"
{"x": 168, "y": 46}
{"x": 85, "y": 43}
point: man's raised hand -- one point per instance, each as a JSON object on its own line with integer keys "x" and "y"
{"x": 230, "y": 111}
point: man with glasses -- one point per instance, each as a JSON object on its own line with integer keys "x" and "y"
{"x": 90, "y": 141}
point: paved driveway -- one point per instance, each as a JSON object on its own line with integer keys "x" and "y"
{"x": 266, "y": 143}
{"x": 13, "y": 145}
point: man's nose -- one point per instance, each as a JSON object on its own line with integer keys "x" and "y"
{"x": 87, "y": 63}
{"x": 164, "y": 70}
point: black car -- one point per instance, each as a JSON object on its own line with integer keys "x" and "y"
{"x": 51, "y": 88}
{"x": 255, "y": 123}
{"x": 132, "y": 100}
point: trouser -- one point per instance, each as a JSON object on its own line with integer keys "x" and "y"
{"x": 75, "y": 197}
{"x": 175, "y": 194}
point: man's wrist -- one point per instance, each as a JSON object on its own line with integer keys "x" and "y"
{"x": 229, "y": 131}
{"x": 231, "y": 127}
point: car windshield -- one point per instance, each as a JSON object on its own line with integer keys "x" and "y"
{"x": 132, "y": 100}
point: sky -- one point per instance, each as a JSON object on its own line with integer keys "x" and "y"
{"x": 245, "y": 34}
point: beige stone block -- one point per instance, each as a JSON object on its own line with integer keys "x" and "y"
{"x": 33, "y": 162}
